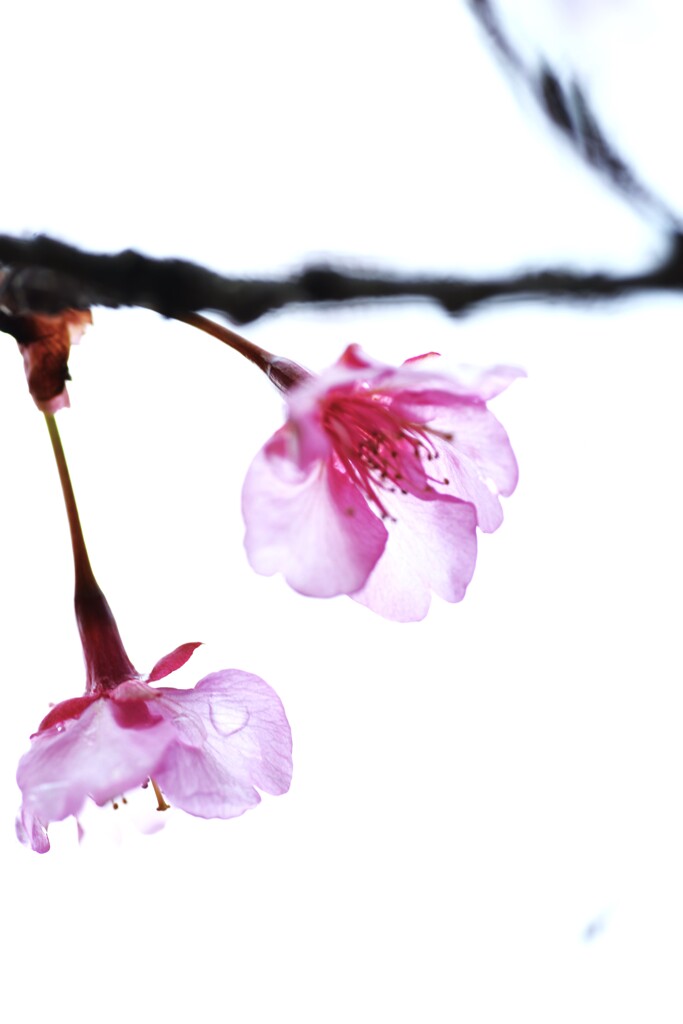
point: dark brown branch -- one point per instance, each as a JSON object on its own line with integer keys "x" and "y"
{"x": 46, "y": 276}
{"x": 567, "y": 107}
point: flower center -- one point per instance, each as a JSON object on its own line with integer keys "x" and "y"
{"x": 380, "y": 450}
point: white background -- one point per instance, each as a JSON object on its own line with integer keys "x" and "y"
{"x": 484, "y": 821}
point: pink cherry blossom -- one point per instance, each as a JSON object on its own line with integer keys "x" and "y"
{"x": 376, "y": 483}
{"x": 208, "y": 749}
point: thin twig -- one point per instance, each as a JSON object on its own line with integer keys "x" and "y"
{"x": 568, "y": 108}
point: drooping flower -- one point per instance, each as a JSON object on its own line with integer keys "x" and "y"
{"x": 45, "y": 342}
{"x": 376, "y": 483}
{"x": 208, "y": 749}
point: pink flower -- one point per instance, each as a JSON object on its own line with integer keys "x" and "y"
{"x": 375, "y": 484}
{"x": 207, "y": 748}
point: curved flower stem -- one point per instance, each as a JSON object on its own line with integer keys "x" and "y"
{"x": 246, "y": 348}
{"x": 106, "y": 661}
{"x": 83, "y": 570}
{"x": 283, "y": 373}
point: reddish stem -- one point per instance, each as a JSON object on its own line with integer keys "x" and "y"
{"x": 283, "y": 373}
{"x": 106, "y": 661}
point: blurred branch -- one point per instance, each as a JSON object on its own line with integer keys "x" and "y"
{"x": 47, "y": 276}
{"x": 570, "y": 112}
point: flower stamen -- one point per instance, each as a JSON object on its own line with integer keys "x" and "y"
{"x": 372, "y": 444}
{"x": 162, "y": 805}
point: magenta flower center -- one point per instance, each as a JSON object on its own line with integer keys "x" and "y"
{"x": 380, "y": 449}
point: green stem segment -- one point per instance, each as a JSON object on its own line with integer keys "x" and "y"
{"x": 82, "y": 567}
{"x": 106, "y": 661}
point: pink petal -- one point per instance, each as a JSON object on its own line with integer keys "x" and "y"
{"x": 466, "y": 483}
{"x": 296, "y": 446}
{"x": 471, "y": 384}
{"x": 477, "y": 461}
{"x": 196, "y": 782}
{"x": 31, "y": 832}
{"x": 175, "y": 660}
{"x": 487, "y": 383}
{"x": 246, "y": 743}
{"x": 432, "y": 547}
{"x": 91, "y": 756}
{"x": 315, "y": 528}
{"x": 479, "y": 438}
{"x": 355, "y": 358}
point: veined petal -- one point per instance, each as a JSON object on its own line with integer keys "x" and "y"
{"x": 195, "y": 781}
{"x": 432, "y": 546}
{"x": 466, "y": 483}
{"x": 316, "y": 529}
{"x": 479, "y": 438}
{"x": 247, "y": 744}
